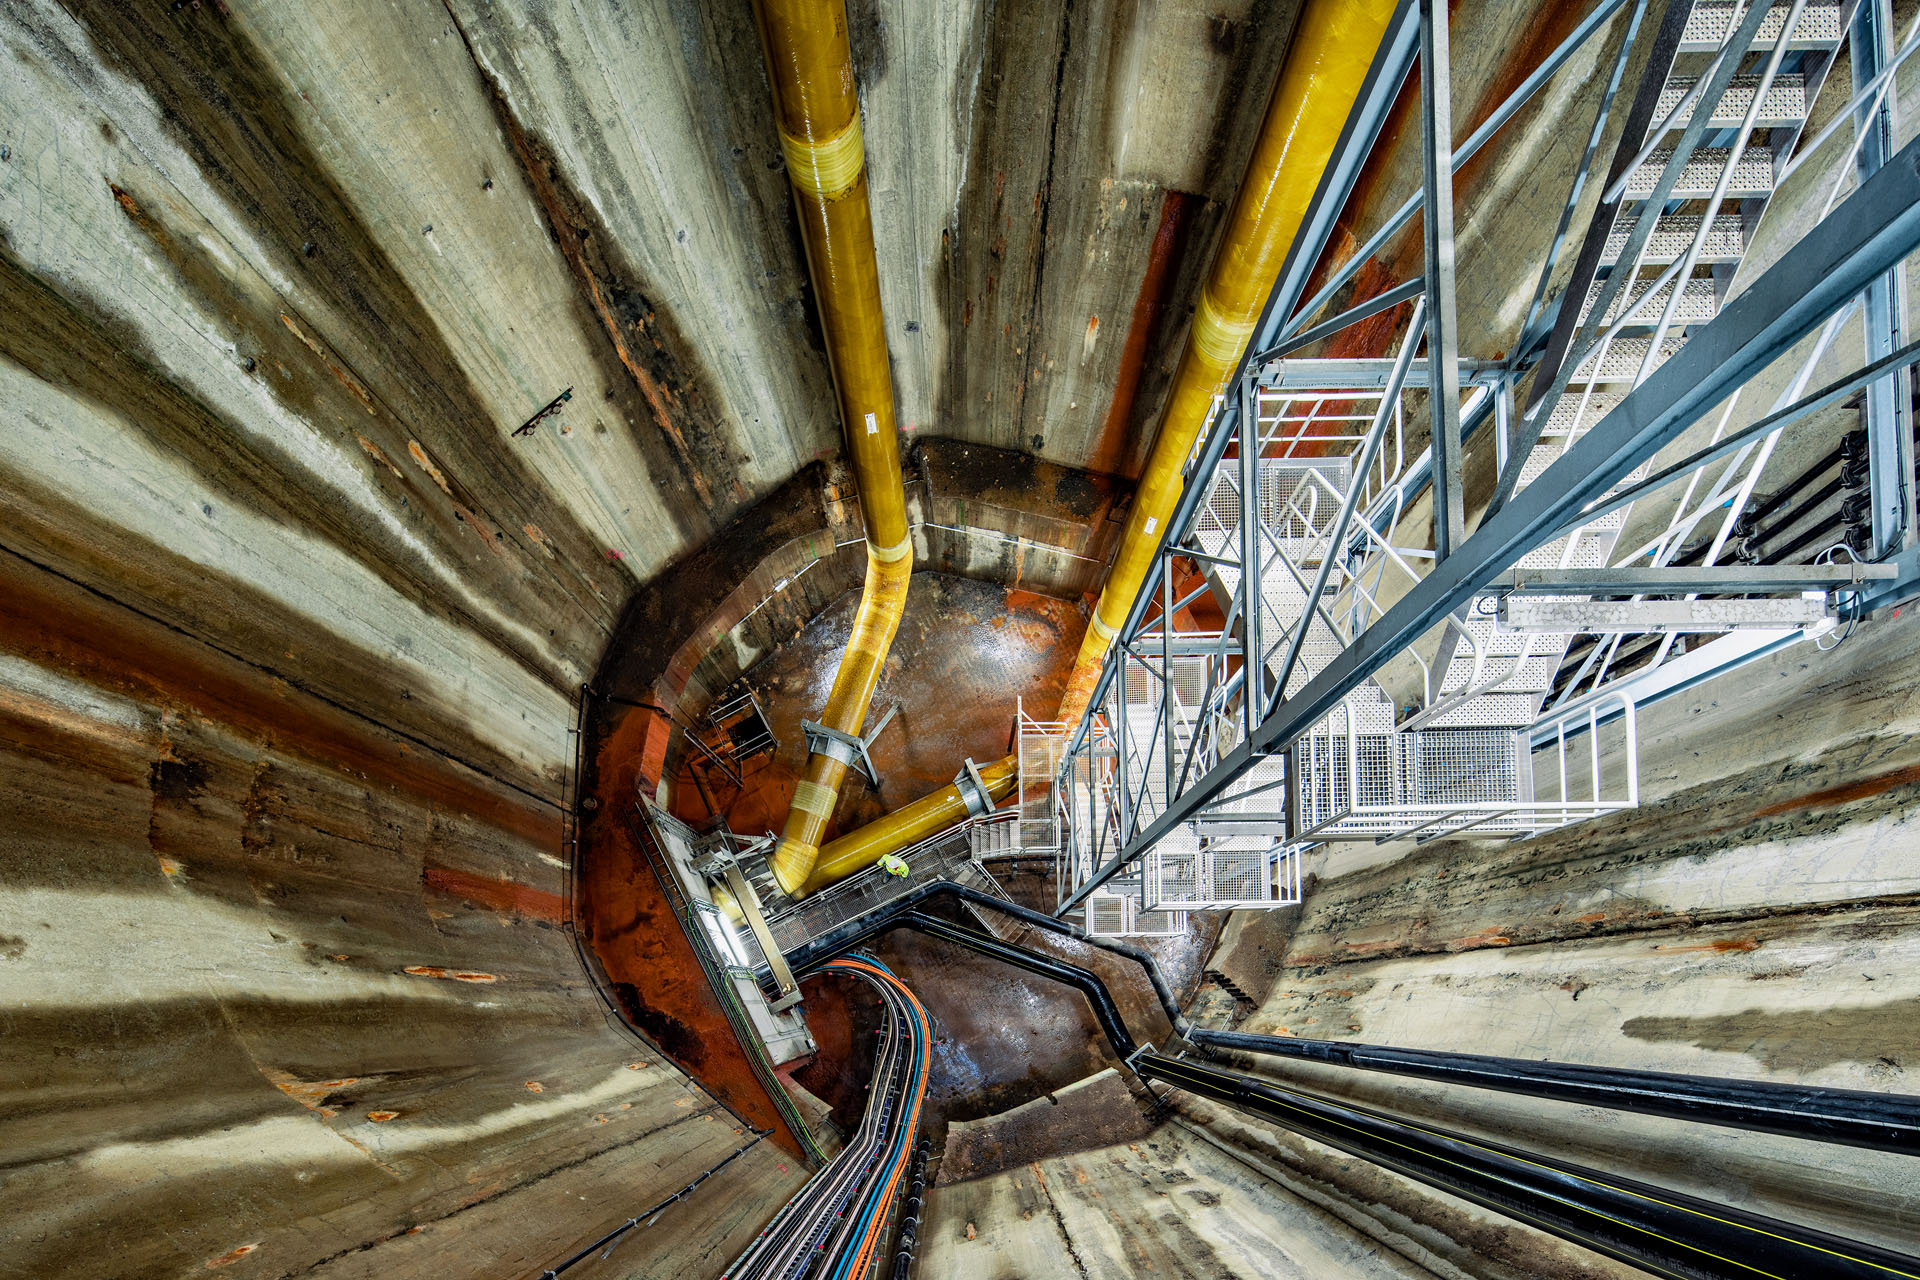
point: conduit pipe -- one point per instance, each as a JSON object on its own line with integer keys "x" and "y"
{"x": 810, "y": 70}
{"x": 1325, "y": 68}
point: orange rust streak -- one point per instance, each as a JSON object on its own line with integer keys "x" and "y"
{"x": 648, "y": 387}
{"x": 497, "y": 895}
{"x": 340, "y": 375}
{"x": 1844, "y": 794}
{"x": 230, "y": 1256}
{"x": 1175, "y": 211}
{"x": 453, "y": 975}
{"x": 1721, "y": 945}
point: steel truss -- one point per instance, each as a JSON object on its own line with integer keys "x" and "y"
{"x": 1210, "y": 758}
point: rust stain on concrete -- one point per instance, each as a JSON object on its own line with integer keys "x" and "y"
{"x": 505, "y": 896}
{"x": 1146, "y": 325}
{"x": 427, "y": 465}
{"x": 1719, "y": 945}
{"x": 1843, "y": 794}
{"x": 455, "y": 975}
{"x": 380, "y": 455}
{"x": 310, "y": 1094}
{"x": 230, "y": 1256}
{"x": 340, "y": 375}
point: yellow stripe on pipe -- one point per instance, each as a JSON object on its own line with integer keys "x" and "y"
{"x": 827, "y": 168}
{"x": 1216, "y": 338}
{"x": 815, "y": 799}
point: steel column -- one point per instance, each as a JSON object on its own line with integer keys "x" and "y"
{"x": 1443, "y": 339}
{"x": 1888, "y": 410}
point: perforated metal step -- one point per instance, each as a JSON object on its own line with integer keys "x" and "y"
{"x": 1699, "y": 301}
{"x": 1674, "y": 232}
{"x": 1785, "y": 102}
{"x": 1712, "y": 21}
{"x": 1753, "y": 176}
{"x": 1621, "y": 360}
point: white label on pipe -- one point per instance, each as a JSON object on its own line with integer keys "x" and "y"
{"x": 1151, "y": 522}
{"x": 873, "y": 425}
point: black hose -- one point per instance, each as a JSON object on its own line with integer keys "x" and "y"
{"x": 1854, "y": 1117}
{"x": 1086, "y": 981}
{"x": 1887, "y": 1122}
{"x": 837, "y": 940}
{"x": 1659, "y": 1230}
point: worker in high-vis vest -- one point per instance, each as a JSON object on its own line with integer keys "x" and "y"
{"x": 894, "y": 865}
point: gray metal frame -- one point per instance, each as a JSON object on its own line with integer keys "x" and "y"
{"x": 1860, "y": 242}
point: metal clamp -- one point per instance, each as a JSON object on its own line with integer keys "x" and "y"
{"x": 848, "y": 749}
{"x": 844, "y": 747}
{"x": 1145, "y": 1048}
{"x": 973, "y": 789}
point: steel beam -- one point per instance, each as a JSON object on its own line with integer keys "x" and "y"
{"x": 1567, "y": 345}
{"x": 1533, "y": 614}
{"x": 1756, "y": 579}
{"x": 1391, "y": 63}
{"x": 1867, "y": 235}
{"x": 1296, "y": 317}
{"x": 1658, "y": 1229}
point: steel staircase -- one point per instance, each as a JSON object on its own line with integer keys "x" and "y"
{"x": 1486, "y": 677}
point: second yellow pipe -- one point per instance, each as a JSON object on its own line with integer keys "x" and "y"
{"x": 1324, "y": 70}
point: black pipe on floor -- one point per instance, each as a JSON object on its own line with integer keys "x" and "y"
{"x": 1853, "y": 1117}
{"x": 1658, "y": 1230}
{"x": 1086, "y": 981}
{"x": 835, "y": 941}
{"x": 1662, "y": 1231}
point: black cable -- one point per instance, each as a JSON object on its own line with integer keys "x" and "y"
{"x": 646, "y": 1215}
{"x": 1659, "y": 1230}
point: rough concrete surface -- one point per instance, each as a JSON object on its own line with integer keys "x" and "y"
{"x": 294, "y": 617}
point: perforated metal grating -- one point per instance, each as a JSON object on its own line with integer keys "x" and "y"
{"x": 1752, "y": 177}
{"x": 1673, "y": 234}
{"x": 1698, "y": 302}
{"x": 1785, "y": 101}
{"x": 1712, "y": 21}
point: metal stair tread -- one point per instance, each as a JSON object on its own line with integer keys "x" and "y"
{"x": 1785, "y": 102}
{"x": 1674, "y": 232}
{"x": 1699, "y": 301}
{"x": 1753, "y": 176}
{"x": 1621, "y": 360}
{"x": 1712, "y": 21}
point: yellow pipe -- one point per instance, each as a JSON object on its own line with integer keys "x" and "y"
{"x": 1333, "y": 46}
{"x": 810, "y": 68}
{"x": 908, "y": 825}
{"x": 1326, "y": 65}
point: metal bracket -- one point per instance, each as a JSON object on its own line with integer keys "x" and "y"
{"x": 789, "y": 990}
{"x": 1145, "y": 1048}
{"x": 845, "y": 747}
{"x": 973, "y": 789}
